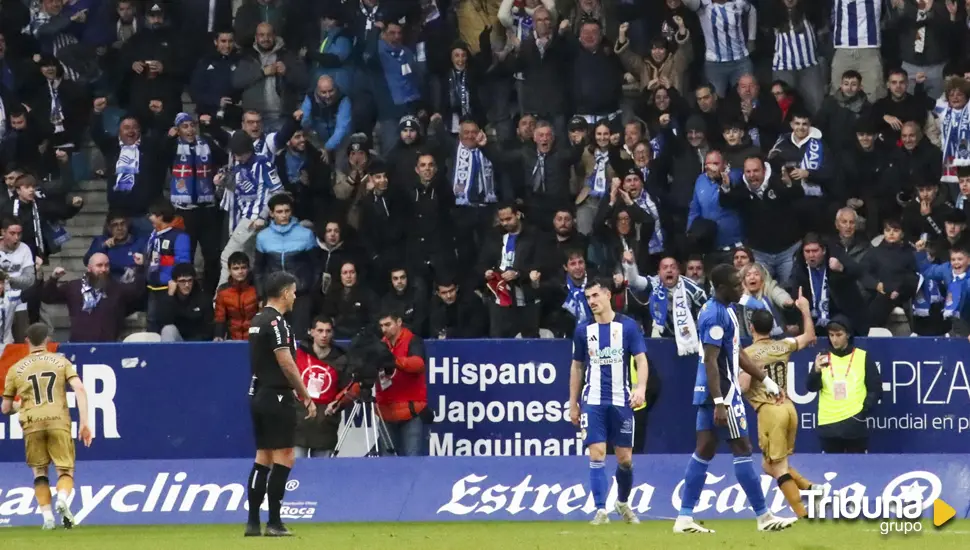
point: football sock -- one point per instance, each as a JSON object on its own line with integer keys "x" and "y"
{"x": 275, "y": 489}
{"x": 597, "y": 483}
{"x": 751, "y": 483}
{"x": 694, "y": 479}
{"x": 65, "y": 484}
{"x": 256, "y": 490}
{"x": 800, "y": 481}
{"x": 790, "y": 489}
{"x": 42, "y": 490}
{"x": 624, "y": 482}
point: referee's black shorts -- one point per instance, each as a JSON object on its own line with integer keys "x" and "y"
{"x": 274, "y": 418}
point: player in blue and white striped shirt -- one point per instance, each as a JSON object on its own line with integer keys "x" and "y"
{"x": 856, "y": 36}
{"x": 601, "y": 356}
{"x": 720, "y": 407}
{"x": 729, "y": 27}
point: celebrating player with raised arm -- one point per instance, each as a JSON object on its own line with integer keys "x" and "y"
{"x": 40, "y": 380}
{"x": 607, "y": 343}
{"x": 720, "y": 409}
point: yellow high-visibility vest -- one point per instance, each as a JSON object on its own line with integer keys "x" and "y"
{"x": 851, "y": 370}
{"x": 633, "y": 380}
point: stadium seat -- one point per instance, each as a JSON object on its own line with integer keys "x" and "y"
{"x": 880, "y": 332}
{"x": 143, "y": 338}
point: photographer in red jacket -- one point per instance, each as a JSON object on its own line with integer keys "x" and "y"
{"x": 402, "y": 397}
{"x": 324, "y": 376}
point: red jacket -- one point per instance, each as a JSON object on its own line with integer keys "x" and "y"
{"x": 405, "y": 393}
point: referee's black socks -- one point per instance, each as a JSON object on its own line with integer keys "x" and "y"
{"x": 275, "y": 489}
{"x": 256, "y": 490}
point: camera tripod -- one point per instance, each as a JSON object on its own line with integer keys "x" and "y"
{"x": 376, "y": 435}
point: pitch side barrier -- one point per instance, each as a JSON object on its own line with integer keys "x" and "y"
{"x": 459, "y": 488}
{"x": 490, "y": 398}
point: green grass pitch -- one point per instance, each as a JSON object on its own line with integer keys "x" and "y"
{"x": 731, "y": 534}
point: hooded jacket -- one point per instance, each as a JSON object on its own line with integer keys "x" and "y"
{"x": 838, "y": 115}
{"x": 291, "y": 248}
{"x": 813, "y": 155}
{"x": 854, "y": 427}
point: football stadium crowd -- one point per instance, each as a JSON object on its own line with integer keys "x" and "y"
{"x": 470, "y": 164}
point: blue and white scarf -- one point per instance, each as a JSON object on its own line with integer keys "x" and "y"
{"x": 192, "y": 173}
{"x": 576, "y": 303}
{"x": 646, "y": 202}
{"x": 597, "y": 180}
{"x": 954, "y": 296}
{"x": 91, "y": 296}
{"x": 57, "y": 111}
{"x": 474, "y": 182}
{"x": 955, "y": 132}
{"x": 812, "y": 161}
{"x": 753, "y": 303}
{"x": 820, "y": 296}
{"x": 127, "y": 166}
{"x": 927, "y": 294}
{"x": 684, "y": 327}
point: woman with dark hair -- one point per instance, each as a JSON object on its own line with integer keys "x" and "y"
{"x": 653, "y": 105}
{"x": 596, "y": 170}
{"x": 796, "y": 49}
{"x": 788, "y": 98}
{"x": 741, "y": 257}
{"x": 456, "y": 93}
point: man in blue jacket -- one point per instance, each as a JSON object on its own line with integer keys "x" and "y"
{"x": 706, "y": 215}
{"x": 211, "y": 85}
{"x": 396, "y": 82}
{"x": 285, "y": 245}
{"x": 326, "y": 112}
{"x": 119, "y": 245}
{"x": 329, "y": 51}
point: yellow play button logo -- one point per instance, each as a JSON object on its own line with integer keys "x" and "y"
{"x": 942, "y": 513}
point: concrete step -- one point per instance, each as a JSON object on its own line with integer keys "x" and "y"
{"x": 86, "y": 225}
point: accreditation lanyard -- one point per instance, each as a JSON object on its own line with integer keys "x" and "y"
{"x": 840, "y": 387}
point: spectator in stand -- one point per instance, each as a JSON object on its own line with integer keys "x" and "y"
{"x": 409, "y": 300}
{"x": 892, "y": 266}
{"x": 194, "y": 164}
{"x": 306, "y": 177}
{"x": 40, "y": 217}
{"x": 915, "y": 160}
{"x": 842, "y": 111}
{"x": 695, "y": 271}
{"x": 154, "y": 58}
{"x": 185, "y": 313}
{"x": 729, "y": 29}
{"x": 457, "y": 93}
{"x": 689, "y": 149}
{"x": 767, "y": 200}
{"x": 663, "y": 68}
{"x": 899, "y": 106}
{"x": 25, "y": 142}
{"x": 330, "y": 49}
{"x": 96, "y": 303}
{"x": 596, "y": 86}
{"x": 849, "y": 241}
{"x": 121, "y": 24}
{"x": 805, "y": 159}
{"x": 955, "y": 225}
{"x": 563, "y": 295}
{"x": 643, "y": 205}
{"x": 402, "y": 400}
{"x": 757, "y": 108}
{"x": 9, "y": 309}
{"x": 737, "y": 145}
{"x": 351, "y": 305}
{"x": 403, "y": 158}
{"x": 270, "y": 77}
{"x": 741, "y": 256}
{"x": 507, "y": 260}
{"x": 201, "y": 22}
{"x": 19, "y": 267}
{"x": 762, "y": 293}
{"x": 236, "y": 301}
{"x": 953, "y": 117}
{"x": 285, "y": 245}
{"x": 396, "y": 77}
{"x": 133, "y": 168}
{"x": 61, "y": 103}
{"x": 796, "y": 59}
{"x": 857, "y": 38}
{"x": 334, "y": 252}
{"x": 953, "y": 276}
{"x": 543, "y": 58}
{"x": 864, "y": 170}
{"x": 430, "y": 245}
{"x": 711, "y": 225}
{"x": 926, "y": 34}
{"x": 349, "y": 187}
{"x": 707, "y": 108}
{"x": 251, "y": 184}
{"x": 924, "y": 215}
{"x": 457, "y": 314}
{"x": 167, "y": 247}
{"x": 120, "y": 245}
{"x": 830, "y": 281}
{"x": 564, "y": 239}
{"x": 675, "y": 301}
{"x": 382, "y": 225}
{"x": 253, "y": 13}
{"x": 15, "y": 73}
{"x": 596, "y": 171}
{"x": 326, "y": 119}
{"x": 211, "y": 85}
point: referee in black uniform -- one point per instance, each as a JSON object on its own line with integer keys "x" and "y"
{"x": 273, "y": 403}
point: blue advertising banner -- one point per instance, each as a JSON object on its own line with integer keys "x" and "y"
{"x": 490, "y": 398}
{"x": 456, "y": 488}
